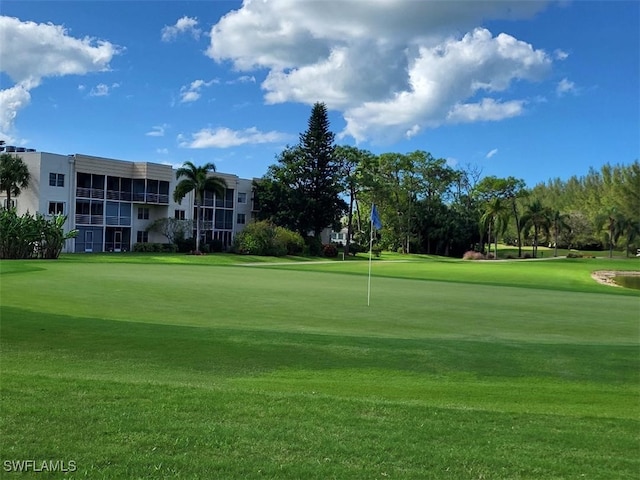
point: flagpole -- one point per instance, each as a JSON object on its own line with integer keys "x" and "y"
{"x": 370, "y": 249}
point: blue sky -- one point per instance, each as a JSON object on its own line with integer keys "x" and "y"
{"x": 536, "y": 90}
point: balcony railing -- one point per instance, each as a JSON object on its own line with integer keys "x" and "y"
{"x": 113, "y": 220}
{"x": 89, "y": 192}
{"x": 118, "y": 195}
{"x": 89, "y": 219}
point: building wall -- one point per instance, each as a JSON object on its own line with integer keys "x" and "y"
{"x": 54, "y": 187}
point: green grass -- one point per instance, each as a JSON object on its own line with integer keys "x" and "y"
{"x": 143, "y": 366}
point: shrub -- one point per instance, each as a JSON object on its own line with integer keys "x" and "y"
{"x": 329, "y": 250}
{"x": 264, "y": 238}
{"x": 355, "y": 248}
{"x": 186, "y": 245}
{"x": 376, "y": 250}
{"x": 313, "y": 246}
{"x": 215, "y": 245}
{"x": 32, "y": 236}
{"x": 292, "y": 241}
{"x": 155, "y": 247}
{"x": 473, "y": 255}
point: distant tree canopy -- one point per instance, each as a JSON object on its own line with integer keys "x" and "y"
{"x": 428, "y": 206}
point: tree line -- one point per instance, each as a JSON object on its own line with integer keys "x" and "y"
{"x": 425, "y": 204}
{"x": 428, "y": 206}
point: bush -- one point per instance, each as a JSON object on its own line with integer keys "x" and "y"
{"x": 186, "y": 245}
{"x": 292, "y": 241}
{"x": 155, "y": 247}
{"x": 355, "y": 248}
{"x": 473, "y": 255}
{"x": 330, "y": 250}
{"x": 215, "y": 245}
{"x": 376, "y": 250}
{"x": 313, "y": 246}
{"x": 32, "y": 236}
{"x": 264, "y": 238}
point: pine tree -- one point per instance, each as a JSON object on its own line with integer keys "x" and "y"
{"x": 304, "y": 185}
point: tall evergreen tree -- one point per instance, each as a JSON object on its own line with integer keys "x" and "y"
{"x": 305, "y": 183}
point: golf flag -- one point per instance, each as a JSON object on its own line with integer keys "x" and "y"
{"x": 377, "y": 224}
{"x": 375, "y": 218}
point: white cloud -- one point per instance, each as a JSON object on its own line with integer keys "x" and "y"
{"x": 162, "y": 151}
{"x": 12, "y": 100}
{"x": 224, "y": 138}
{"x": 565, "y": 86}
{"x": 102, "y": 90}
{"x": 157, "y": 130}
{"x": 191, "y": 92}
{"x": 491, "y": 153}
{"x": 183, "y": 25}
{"x": 33, "y": 51}
{"x": 393, "y": 68}
{"x": 242, "y": 79}
{"x": 560, "y": 54}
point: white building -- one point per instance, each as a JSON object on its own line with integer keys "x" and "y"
{"x": 113, "y": 202}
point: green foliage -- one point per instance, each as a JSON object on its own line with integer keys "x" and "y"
{"x": 265, "y": 238}
{"x": 155, "y": 247}
{"x": 197, "y": 179}
{"x": 32, "y": 236}
{"x": 313, "y": 246}
{"x": 293, "y": 241}
{"x": 601, "y": 207}
{"x": 301, "y": 192}
{"x": 14, "y": 176}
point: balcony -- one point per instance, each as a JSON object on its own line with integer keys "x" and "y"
{"x": 89, "y": 219}
{"x": 89, "y": 192}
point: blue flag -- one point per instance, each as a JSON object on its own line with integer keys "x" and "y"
{"x": 375, "y": 218}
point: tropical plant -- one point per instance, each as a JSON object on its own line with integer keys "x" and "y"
{"x": 14, "y": 176}
{"x": 558, "y": 222}
{"x": 198, "y": 180}
{"x": 536, "y": 216}
{"x": 30, "y": 236}
{"x": 496, "y": 215}
{"x": 614, "y": 224}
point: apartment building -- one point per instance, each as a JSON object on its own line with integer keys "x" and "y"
{"x": 112, "y": 202}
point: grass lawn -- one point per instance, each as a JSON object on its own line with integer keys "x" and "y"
{"x": 173, "y": 366}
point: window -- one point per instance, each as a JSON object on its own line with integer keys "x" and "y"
{"x": 241, "y": 219}
{"x": 143, "y": 237}
{"x": 56, "y": 208}
{"x": 242, "y": 198}
{"x": 179, "y": 214}
{"x": 56, "y": 179}
{"x": 143, "y": 213}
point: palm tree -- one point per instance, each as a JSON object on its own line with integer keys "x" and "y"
{"x": 198, "y": 180}
{"x": 496, "y": 216}
{"x": 615, "y": 224}
{"x": 558, "y": 223}
{"x": 536, "y": 216}
{"x": 14, "y": 176}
